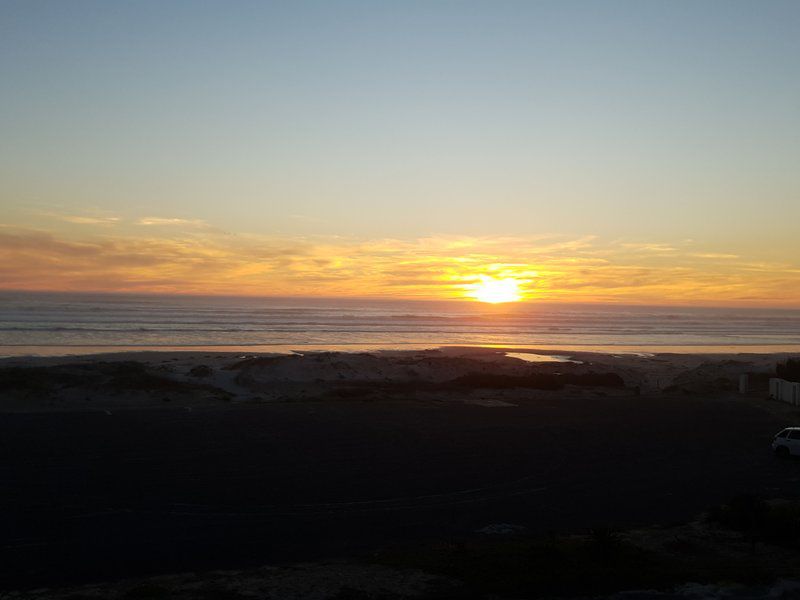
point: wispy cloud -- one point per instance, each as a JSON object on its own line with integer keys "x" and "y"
{"x": 715, "y": 255}
{"x": 91, "y": 220}
{"x": 553, "y": 267}
{"x": 649, "y": 247}
{"x": 161, "y": 221}
{"x": 81, "y": 219}
{"x": 88, "y": 218}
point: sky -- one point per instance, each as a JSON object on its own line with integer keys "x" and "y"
{"x": 638, "y": 152}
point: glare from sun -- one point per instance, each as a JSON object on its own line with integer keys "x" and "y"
{"x": 495, "y": 291}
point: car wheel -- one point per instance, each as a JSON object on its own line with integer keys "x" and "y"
{"x": 782, "y": 451}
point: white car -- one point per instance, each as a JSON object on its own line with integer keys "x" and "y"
{"x": 787, "y": 442}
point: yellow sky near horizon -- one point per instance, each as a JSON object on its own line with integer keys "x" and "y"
{"x": 618, "y": 152}
{"x": 171, "y": 255}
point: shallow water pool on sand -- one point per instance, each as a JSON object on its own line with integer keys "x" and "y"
{"x": 530, "y": 357}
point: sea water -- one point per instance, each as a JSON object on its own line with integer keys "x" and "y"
{"x": 60, "y": 323}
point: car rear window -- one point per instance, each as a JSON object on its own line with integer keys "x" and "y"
{"x": 783, "y": 433}
{"x": 794, "y": 434}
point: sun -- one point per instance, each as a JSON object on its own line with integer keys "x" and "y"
{"x": 495, "y": 291}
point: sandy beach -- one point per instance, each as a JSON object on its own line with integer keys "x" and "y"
{"x": 129, "y": 465}
{"x": 192, "y": 378}
{"x": 399, "y": 301}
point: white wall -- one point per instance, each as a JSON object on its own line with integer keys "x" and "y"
{"x": 785, "y": 391}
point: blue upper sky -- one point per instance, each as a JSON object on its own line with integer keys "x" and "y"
{"x": 667, "y": 120}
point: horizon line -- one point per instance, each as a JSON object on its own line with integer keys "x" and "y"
{"x": 740, "y": 304}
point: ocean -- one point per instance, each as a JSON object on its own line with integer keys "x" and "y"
{"x": 66, "y": 323}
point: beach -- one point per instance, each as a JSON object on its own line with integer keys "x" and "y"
{"x": 136, "y": 464}
{"x": 399, "y": 301}
{"x": 152, "y": 379}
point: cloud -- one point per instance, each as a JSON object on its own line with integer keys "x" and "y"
{"x": 553, "y": 267}
{"x": 161, "y": 221}
{"x": 81, "y": 219}
{"x": 91, "y": 220}
{"x": 649, "y": 247}
{"x": 715, "y": 255}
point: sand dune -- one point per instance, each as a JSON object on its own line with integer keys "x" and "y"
{"x": 190, "y": 378}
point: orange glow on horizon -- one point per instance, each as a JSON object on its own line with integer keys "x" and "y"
{"x": 192, "y": 257}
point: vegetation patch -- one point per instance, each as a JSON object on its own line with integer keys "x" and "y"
{"x": 759, "y": 521}
{"x": 122, "y": 376}
{"x": 789, "y": 369}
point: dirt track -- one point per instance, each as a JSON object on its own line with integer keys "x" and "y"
{"x": 92, "y": 496}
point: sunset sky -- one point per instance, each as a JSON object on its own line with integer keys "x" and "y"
{"x": 643, "y": 152}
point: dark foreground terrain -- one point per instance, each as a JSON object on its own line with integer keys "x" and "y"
{"x": 92, "y": 496}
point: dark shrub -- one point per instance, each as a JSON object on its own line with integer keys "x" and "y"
{"x": 497, "y": 381}
{"x": 789, "y": 369}
{"x": 776, "y": 523}
{"x": 201, "y": 371}
{"x": 595, "y": 380}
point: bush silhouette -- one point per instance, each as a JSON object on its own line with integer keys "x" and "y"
{"x": 789, "y": 369}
